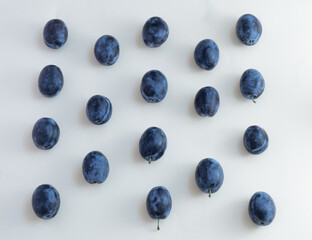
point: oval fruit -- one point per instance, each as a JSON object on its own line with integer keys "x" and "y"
{"x": 153, "y": 144}
{"x": 207, "y": 102}
{"x": 209, "y": 176}
{"x": 158, "y": 203}
{"x": 261, "y": 209}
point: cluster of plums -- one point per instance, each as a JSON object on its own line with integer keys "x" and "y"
{"x": 153, "y": 142}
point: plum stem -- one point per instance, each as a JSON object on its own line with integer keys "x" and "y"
{"x": 149, "y": 160}
{"x": 252, "y": 98}
{"x": 209, "y": 193}
{"x": 158, "y": 228}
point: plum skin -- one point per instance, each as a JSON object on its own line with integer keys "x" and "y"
{"x": 153, "y": 144}
{"x": 45, "y": 133}
{"x": 107, "y": 50}
{"x": 158, "y": 203}
{"x": 155, "y": 32}
{"x": 248, "y": 29}
{"x": 252, "y": 84}
{"x": 55, "y": 33}
{"x": 206, "y": 54}
{"x": 255, "y": 139}
{"x": 95, "y": 167}
{"x": 46, "y": 201}
{"x": 209, "y": 175}
{"x": 50, "y": 81}
{"x": 207, "y": 102}
{"x": 154, "y": 86}
{"x": 99, "y": 109}
{"x": 261, "y": 209}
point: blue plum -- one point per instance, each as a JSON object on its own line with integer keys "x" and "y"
{"x": 209, "y": 175}
{"x": 95, "y": 167}
{"x": 106, "y": 50}
{"x": 55, "y": 33}
{"x": 154, "y": 86}
{"x": 248, "y": 29}
{"x": 45, "y": 133}
{"x": 256, "y": 140}
{"x": 153, "y": 144}
{"x": 99, "y": 109}
{"x": 158, "y": 203}
{"x": 207, "y": 102}
{"x": 155, "y": 32}
{"x": 252, "y": 84}
{"x": 261, "y": 209}
{"x": 206, "y": 54}
{"x": 46, "y": 201}
{"x": 50, "y": 81}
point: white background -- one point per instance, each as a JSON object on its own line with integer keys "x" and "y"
{"x": 116, "y": 209}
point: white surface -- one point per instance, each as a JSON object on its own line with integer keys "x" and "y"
{"x": 116, "y": 209}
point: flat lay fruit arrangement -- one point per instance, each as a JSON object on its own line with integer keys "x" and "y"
{"x": 209, "y": 174}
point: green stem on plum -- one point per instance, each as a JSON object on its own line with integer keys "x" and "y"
{"x": 158, "y": 228}
{"x": 149, "y": 160}
{"x": 252, "y": 98}
{"x": 209, "y": 193}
